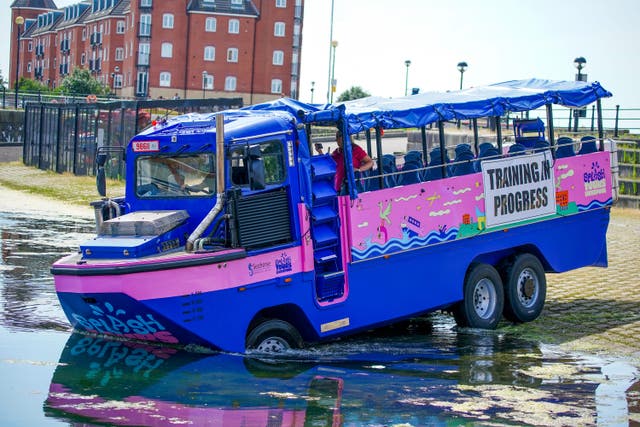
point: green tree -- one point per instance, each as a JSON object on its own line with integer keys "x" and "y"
{"x": 354, "y": 92}
{"x": 28, "y": 85}
{"x": 81, "y": 82}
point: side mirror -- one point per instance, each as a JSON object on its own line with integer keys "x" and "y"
{"x": 101, "y": 159}
{"x": 101, "y": 181}
{"x": 256, "y": 169}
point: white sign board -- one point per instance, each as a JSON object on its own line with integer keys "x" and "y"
{"x": 518, "y": 188}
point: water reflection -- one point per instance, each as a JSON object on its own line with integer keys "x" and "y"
{"x": 424, "y": 373}
{"x": 29, "y": 245}
{"x": 427, "y": 380}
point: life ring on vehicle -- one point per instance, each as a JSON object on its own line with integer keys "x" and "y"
{"x": 92, "y": 98}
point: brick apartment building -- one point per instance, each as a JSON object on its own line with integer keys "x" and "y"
{"x": 156, "y": 48}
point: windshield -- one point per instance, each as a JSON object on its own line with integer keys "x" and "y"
{"x": 175, "y": 176}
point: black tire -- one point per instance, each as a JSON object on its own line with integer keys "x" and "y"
{"x": 483, "y": 298}
{"x": 525, "y": 289}
{"x": 274, "y": 336}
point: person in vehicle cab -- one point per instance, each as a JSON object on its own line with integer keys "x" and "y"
{"x": 361, "y": 160}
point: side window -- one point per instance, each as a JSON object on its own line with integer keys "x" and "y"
{"x": 239, "y": 173}
{"x": 274, "y": 169}
{"x": 274, "y": 164}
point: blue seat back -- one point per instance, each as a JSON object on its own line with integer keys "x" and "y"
{"x": 463, "y": 163}
{"x": 517, "y": 149}
{"x": 484, "y": 147}
{"x": 411, "y": 173}
{"x": 564, "y": 147}
{"x": 489, "y": 153}
{"x": 587, "y": 145}
{"x": 541, "y": 145}
{"x": 435, "y": 161}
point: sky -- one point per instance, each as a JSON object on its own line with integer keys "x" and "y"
{"x": 499, "y": 39}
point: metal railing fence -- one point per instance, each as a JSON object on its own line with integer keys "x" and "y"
{"x": 65, "y": 137}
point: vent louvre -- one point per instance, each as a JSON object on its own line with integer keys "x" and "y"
{"x": 263, "y": 219}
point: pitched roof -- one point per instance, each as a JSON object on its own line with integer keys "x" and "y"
{"x": 223, "y": 6}
{"x": 34, "y": 4}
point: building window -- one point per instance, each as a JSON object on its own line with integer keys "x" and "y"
{"x": 119, "y": 54}
{"x": 278, "y": 57}
{"x": 278, "y": 29}
{"x": 143, "y": 53}
{"x": 167, "y": 20}
{"x": 145, "y": 24}
{"x": 84, "y": 34}
{"x": 232, "y": 54}
{"x": 83, "y": 58}
{"x": 236, "y": 3}
{"x": 210, "y": 25}
{"x": 30, "y": 46}
{"x": 28, "y": 67}
{"x": 167, "y": 50}
{"x": 276, "y": 86}
{"x": 230, "y": 83}
{"x": 120, "y": 28}
{"x": 117, "y": 81}
{"x": 146, "y": 3}
{"x": 207, "y": 81}
{"x": 165, "y": 79}
{"x": 281, "y": 3}
{"x": 141, "y": 84}
{"x": 209, "y": 53}
{"x": 234, "y": 26}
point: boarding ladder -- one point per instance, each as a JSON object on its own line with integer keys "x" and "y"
{"x": 325, "y": 226}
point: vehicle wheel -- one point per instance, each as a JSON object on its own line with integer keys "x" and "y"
{"x": 483, "y": 298}
{"x": 274, "y": 336}
{"x": 525, "y": 289}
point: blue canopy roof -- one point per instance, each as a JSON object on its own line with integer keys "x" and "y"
{"x": 430, "y": 107}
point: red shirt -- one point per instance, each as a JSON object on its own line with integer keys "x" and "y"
{"x": 357, "y": 155}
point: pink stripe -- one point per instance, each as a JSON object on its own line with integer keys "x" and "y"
{"x": 187, "y": 280}
{"x": 307, "y": 244}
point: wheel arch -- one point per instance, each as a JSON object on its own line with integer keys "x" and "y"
{"x": 290, "y": 313}
{"x": 500, "y": 258}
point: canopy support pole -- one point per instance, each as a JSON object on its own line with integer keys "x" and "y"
{"x": 379, "y": 150}
{"x": 600, "y": 126}
{"x": 499, "y": 133}
{"x": 443, "y": 154}
{"x": 552, "y": 139}
{"x": 423, "y": 135}
{"x": 476, "y": 141}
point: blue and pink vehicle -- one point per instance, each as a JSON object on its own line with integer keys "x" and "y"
{"x": 232, "y": 235}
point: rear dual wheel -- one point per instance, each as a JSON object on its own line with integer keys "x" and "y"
{"x": 525, "y": 288}
{"x": 483, "y": 298}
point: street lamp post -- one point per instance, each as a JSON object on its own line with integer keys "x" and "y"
{"x": 334, "y": 45}
{"x": 462, "y": 67}
{"x": 204, "y": 83}
{"x": 312, "y": 89}
{"x": 116, "y": 70}
{"x": 19, "y": 21}
{"x": 579, "y": 63}
{"x": 406, "y": 77}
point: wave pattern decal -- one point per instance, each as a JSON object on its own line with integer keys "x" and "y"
{"x": 595, "y": 204}
{"x": 398, "y": 245}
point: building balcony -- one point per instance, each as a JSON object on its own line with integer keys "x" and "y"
{"x": 144, "y": 30}
{"x": 96, "y": 39}
{"x": 95, "y": 65}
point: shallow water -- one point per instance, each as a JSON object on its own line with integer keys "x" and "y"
{"x": 424, "y": 373}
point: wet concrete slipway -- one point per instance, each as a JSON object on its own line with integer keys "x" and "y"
{"x": 578, "y": 364}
